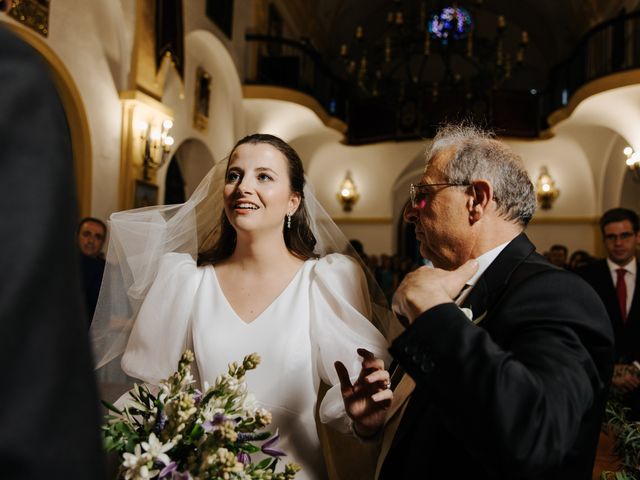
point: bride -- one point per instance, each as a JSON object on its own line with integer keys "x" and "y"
{"x": 264, "y": 281}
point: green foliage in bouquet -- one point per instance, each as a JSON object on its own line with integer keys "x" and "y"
{"x": 627, "y": 433}
{"x": 180, "y": 433}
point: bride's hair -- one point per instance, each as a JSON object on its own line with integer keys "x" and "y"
{"x": 299, "y": 239}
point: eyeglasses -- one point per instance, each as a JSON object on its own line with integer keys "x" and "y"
{"x": 612, "y": 237}
{"x": 418, "y": 191}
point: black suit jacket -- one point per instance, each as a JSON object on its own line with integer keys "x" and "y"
{"x": 49, "y": 411}
{"x": 520, "y": 395}
{"x": 627, "y": 334}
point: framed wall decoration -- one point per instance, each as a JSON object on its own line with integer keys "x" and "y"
{"x": 220, "y": 12}
{"x": 145, "y": 194}
{"x": 32, "y": 13}
{"x": 201, "y": 99}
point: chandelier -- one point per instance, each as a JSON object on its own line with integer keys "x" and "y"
{"x": 421, "y": 49}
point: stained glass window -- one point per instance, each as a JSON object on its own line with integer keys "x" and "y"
{"x": 451, "y": 23}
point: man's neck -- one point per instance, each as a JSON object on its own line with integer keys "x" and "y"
{"x": 621, "y": 264}
{"x": 494, "y": 234}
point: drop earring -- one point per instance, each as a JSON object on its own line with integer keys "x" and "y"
{"x": 289, "y": 221}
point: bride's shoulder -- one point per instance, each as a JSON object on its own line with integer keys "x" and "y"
{"x": 337, "y": 264}
{"x": 177, "y": 263}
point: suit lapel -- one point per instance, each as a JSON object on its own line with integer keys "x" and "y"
{"x": 495, "y": 279}
{"x": 634, "y": 309}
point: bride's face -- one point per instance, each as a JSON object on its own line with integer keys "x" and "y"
{"x": 257, "y": 191}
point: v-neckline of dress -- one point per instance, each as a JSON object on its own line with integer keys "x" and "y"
{"x": 267, "y": 308}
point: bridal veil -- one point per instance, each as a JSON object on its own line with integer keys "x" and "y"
{"x": 139, "y": 238}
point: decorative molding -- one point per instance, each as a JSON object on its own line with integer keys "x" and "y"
{"x": 32, "y": 13}
{"x": 294, "y": 96}
{"x": 75, "y": 112}
{"x": 568, "y": 220}
{"x": 602, "y": 84}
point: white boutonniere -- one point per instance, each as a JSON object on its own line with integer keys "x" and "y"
{"x": 468, "y": 312}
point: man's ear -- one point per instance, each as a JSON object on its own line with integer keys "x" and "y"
{"x": 478, "y": 202}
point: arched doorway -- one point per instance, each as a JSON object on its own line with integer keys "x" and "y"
{"x": 187, "y": 168}
{"x": 174, "y": 184}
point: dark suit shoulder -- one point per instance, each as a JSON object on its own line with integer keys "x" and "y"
{"x": 594, "y": 269}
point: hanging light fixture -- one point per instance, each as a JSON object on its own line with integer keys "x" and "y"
{"x": 432, "y": 51}
{"x": 546, "y": 191}
{"x": 348, "y": 194}
{"x": 633, "y": 162}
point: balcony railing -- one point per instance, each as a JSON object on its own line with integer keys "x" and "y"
{"x": 292, "y": 64}
{"x": 611, "y": 47}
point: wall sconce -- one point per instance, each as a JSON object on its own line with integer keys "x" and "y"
{"x": 546, "y": 190}
{"x": 348, "y": 194}
{"x": 633, "y": 162}
{"x": 155, "y": 143}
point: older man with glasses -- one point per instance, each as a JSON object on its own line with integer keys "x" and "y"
{"x": 507, "y": 358}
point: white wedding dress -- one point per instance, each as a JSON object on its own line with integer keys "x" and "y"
{"x": 320, "y": 317}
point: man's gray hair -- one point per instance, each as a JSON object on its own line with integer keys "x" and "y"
{"x": 477, "y": 155}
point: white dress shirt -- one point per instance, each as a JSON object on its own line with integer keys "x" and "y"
{"x": 484, "y": 261}
{"x": 629, "y": 277}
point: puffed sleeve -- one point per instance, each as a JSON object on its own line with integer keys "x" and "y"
{"x": 160, "y": 332}
{"x": 340, "y": 313}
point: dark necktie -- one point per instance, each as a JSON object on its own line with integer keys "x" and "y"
{"x": 621, "y": 290}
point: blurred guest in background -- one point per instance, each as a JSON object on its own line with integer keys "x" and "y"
{"x": 616, "y": 281}
{"x": 558, "y": 255}
{"x": 91, "y": 236}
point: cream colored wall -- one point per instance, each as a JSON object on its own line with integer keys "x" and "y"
{"x": 227, "y": 120}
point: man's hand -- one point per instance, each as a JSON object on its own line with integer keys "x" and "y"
{"x": 427, "y": 287}
{"x": 625, "y": 377}
{"x": 368, "y": 399}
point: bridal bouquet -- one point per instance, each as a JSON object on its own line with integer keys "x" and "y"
{"x": 180, "y": 433}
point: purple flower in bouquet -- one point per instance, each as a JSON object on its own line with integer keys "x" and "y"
{"x": 167, "y": 472}
{"x": 244, "y": 458}
{"x": 160, "y": 423}
{"x": 267, "y": 447}
{"x": 218, "y": 420}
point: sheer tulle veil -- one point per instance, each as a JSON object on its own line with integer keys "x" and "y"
{"x": 139, "y": 238}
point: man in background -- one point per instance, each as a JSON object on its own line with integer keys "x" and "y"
{"x": 558, "y": 255}
{"x": 49, "y": 408}
{"x": 91, "y": 236}
{"x": 616, "y": 281}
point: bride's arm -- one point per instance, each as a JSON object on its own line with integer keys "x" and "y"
{"x": 340, "y": 324}
{"x": 160, "y": 332}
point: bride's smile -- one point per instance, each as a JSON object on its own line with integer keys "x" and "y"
{"x": 257, "y": 192}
